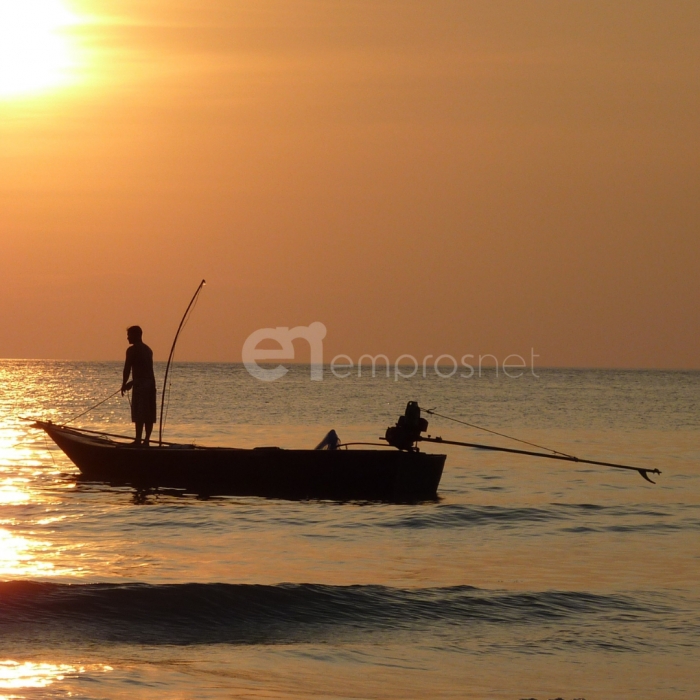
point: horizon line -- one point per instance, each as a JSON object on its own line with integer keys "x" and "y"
{"x": 382, "y": 366}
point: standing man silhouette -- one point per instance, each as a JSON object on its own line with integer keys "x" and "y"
{"x": 139, "y": 364}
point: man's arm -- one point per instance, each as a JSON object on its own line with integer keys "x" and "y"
{"x": 127, "y": 372}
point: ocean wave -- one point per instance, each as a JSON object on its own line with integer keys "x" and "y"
{"x": 287, "y": 613}
{"x": 457, "y": 515}
{"x": 587, "y": 518}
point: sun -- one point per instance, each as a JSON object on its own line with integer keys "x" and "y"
{"x": 35, "y": 53}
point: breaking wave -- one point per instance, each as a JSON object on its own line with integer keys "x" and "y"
{"x": 198, "y": 613}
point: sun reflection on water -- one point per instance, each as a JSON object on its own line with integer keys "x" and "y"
{"x": 24, "y": 465}
{"x": 16, "y": 451}
{"x": 28, "y": 674}
{"x": 32, "y": 482}
{"x": 32, "y": 675}
{"x": 26, "y": 557}
{"x": 11, "y": 491}
{"x": 9, "y": 439}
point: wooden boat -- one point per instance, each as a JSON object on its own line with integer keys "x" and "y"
{"x": 338, "y": 474}
{"x": 401, "y": 474}
{"x": 328, "y": 472}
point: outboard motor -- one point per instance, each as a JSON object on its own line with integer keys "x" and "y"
{"x": 408, "y": 428}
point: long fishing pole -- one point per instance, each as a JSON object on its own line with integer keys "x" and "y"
{"x": 80, "y": 415}
{"x": 642, "y": 471}
{"x": 170, "y": 358}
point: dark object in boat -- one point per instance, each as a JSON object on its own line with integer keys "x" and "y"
{"x": 337, "y": 474}
{"x": 407, "y": 431}
{"x": 330, "y": 442}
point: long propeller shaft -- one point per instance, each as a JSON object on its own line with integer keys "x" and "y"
{"x": 644, "y": 473}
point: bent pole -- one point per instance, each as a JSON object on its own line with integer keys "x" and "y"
{"x": 170, "y": 359}
{"x": 642, "y": 471}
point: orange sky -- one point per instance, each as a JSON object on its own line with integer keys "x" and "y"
{"x": 421, "y": 176}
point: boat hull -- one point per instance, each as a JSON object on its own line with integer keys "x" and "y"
{"x": 388, "y": 475}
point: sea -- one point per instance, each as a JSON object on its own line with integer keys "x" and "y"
{"x": 526, "y": 578}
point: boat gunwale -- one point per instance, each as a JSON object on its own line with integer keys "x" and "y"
{"x": 102, "y": 439}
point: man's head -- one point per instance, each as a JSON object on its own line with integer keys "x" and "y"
{"x": 133, "y": 334}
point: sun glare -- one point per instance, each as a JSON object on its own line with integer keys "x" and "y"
{"x": 35, "y": 53}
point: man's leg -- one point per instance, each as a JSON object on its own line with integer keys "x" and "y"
{"x": 149, "y": 430}
{"x": 139, "y": 432}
